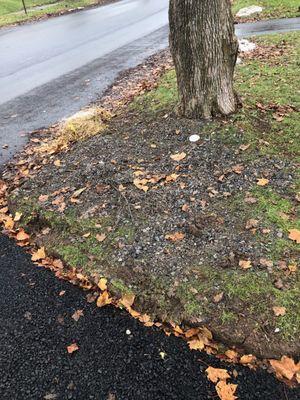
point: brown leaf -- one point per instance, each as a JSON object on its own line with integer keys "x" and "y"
{"x": 101, "y": 237}
{"x": 217, "y": 374}
{"x": 247, "y": 359}
{"x": 141, "y": 184}
{"x": 102, "y": 284}
{"x": 226, "y": 391}
{"x": 77, "y": 314}
{"x": 175, "y": 237}
{"x": 104, "y": 299}
{"x": 218, "y": 297}
{"x": 231, "y": 354}
{"x": 286, "y": 367}
{"x": 252, "y": 223}
{"x": 262, "y": 182}
{"x": 43, "y": 198}
{"x": 294, "y": 235}
{"x": 279, "y": 311}
{"x": 244, "y": 147}
{"x": 178, "y": 156}
{"x": 196, "y": 344}
{"x": 127, "y": 300}
{"x": 9, "y": 223}
{"x": 57, "y": 163}
{"x": 172, "y": 178}
{"x": 39, "y": 254}
{"x": 238, "y": 169}
{"x": 266, "y": 263}
{"x": 22, "y": 235}
{"x": 72, "y": 347}
{"x": 245, "y": 264}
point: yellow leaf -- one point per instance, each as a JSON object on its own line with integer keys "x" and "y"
{"x": 262, "y": 182}
{"x": 127, "y": 300}
{"x": 175, "y": 237}
{"x": 102, "y": 284}
{"x": 73, "y": 347}
{"x": 245, "y": 264}
{"x": 18, "y": 216}
{"x": 178, "y": 156}
{"x": 9, "y": 223}
{"x": 39, "y": 254}
{"x": 217, "y": 374}
{"x": 104, "y": 299}
{"x": 286, "y": 367}
{"x": 294, "y": 235}
{"x": 226, "y": 390}
{"x": 231, "y": 354}
{"x": 78, "y": 192}
{"x": 279, "y": 311}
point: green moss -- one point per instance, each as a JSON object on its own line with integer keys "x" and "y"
{"x": 120, "y": 287}
{"x": 72, "y": 255}
{"x": 289, "y": 324}
{"x": 228, "y": 317}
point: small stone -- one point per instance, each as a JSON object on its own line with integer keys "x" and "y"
{"x": 246, "y": 46}
{"x": 128, "y": 332}
{"x": 194, "y": 138}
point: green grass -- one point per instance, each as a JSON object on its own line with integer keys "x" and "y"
{"x": 271, "y": 8}
{"x": 11, "y": 11}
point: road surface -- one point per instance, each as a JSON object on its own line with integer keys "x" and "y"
{"x": 118, "y": 358}
{"x": 53, "y": 68}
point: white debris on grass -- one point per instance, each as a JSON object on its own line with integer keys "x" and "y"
{"x": 246, "y": 46}
{"x": 246, "y": 11}
{"x": 194, "y": 138}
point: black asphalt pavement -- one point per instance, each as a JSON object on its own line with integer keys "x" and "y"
{"x": 118, "y": 358}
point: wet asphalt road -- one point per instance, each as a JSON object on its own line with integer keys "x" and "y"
{"x": 36, "y": 328}
{"x": 53, "y": 68}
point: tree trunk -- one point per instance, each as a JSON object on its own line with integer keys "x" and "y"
{"x": 204, "y": 49}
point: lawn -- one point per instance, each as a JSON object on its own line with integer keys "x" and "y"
{"x": 271, "y": 8}
{"x": 11, "y": 11}
{"x": 198, "y": 232}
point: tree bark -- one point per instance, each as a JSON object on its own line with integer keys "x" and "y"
{"x": 204, "y": 49}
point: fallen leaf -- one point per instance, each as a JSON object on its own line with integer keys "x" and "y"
{"x": 72, "y": 347}
{"x": 18, "y": 216}
{"x": 141, "y": 184}
{"x": 286, "y": 367}
{"x": 172, "y": 178}
{"x": 175, "y": 237}
{"x": 127, "y": 300}
{"x": 104, "y": 299}
{"x": 43, "y": 198}
{"x": 238, "y": 169}
{"x": 196, "y": 344}
{"x": 245, "y": 264}
{"x": 247, "y": 359}
{"x": 22, "y": 235}
{"x": 266, "y": 263}
{"x": 226, "y": 391}
{"x": 217, "y": 374}
{"x": 9, "y": 223}
{"x": 78, "y": 192}
{"x": 57, "y": 163}
{"x": 279, "y": 311}
{"x": 294, "y": 235}
{"x": 77, "y": 314}
{"x": 252, "y": 223}
{"x": 262, "y": 182}
{"x": 101, "y": 237}
{"x": 39, "y": 254}
{"x": 244, "y": 147}
{"x": 218, "y": 297}
{"x": 231, "y": 354}
{"x": 178, "y": 156}
{"x": 102, "y": 284}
